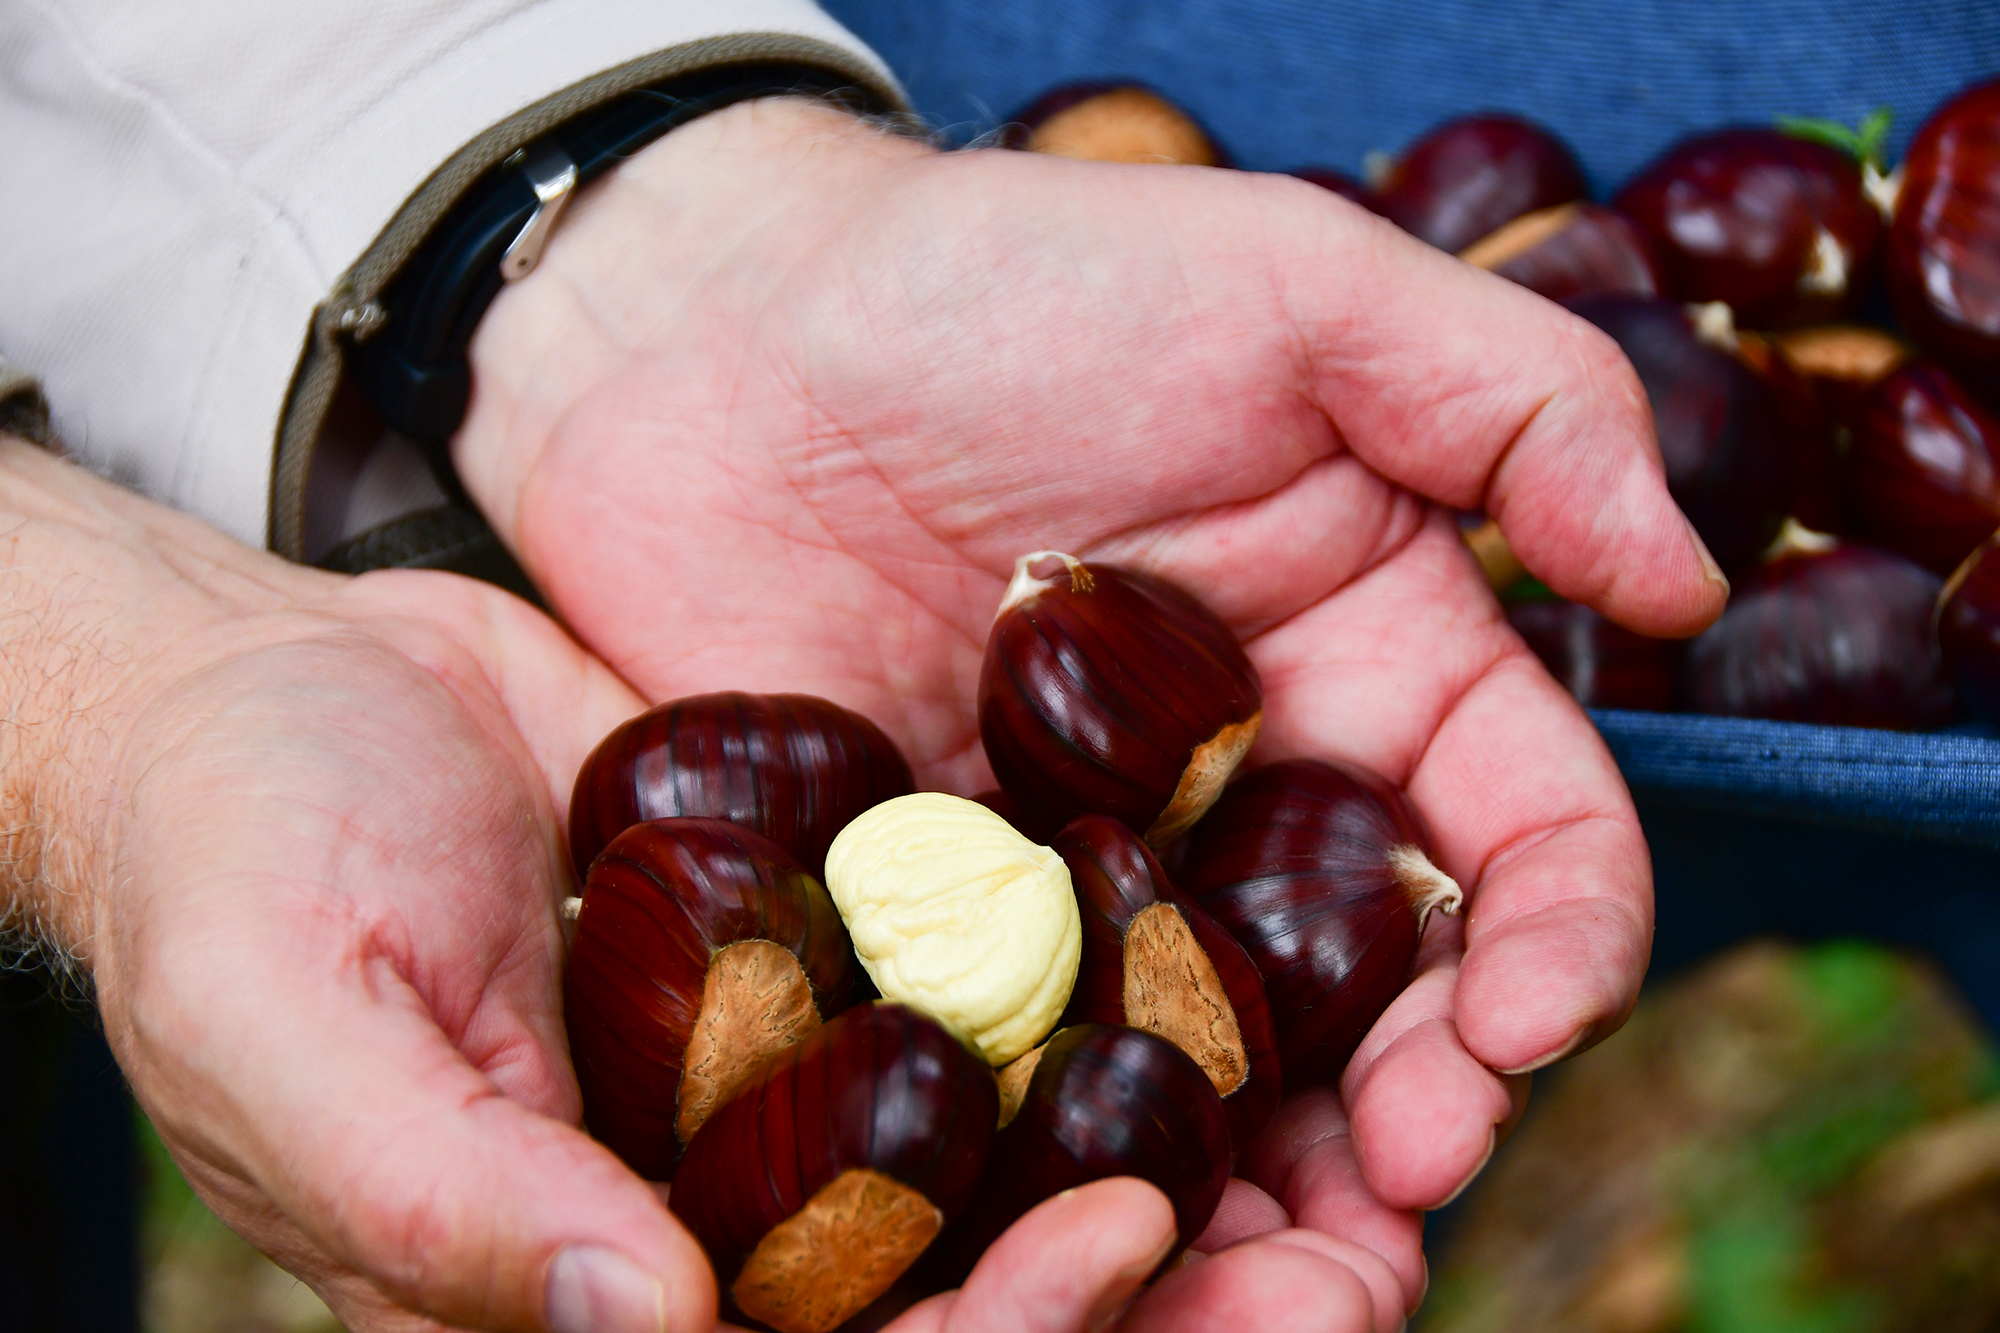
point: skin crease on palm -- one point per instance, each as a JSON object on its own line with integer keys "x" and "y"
{"x": 787, "y": 397}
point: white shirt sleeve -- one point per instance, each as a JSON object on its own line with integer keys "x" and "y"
{"x": 188, "y": 179}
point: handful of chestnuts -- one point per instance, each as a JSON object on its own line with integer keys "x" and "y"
{"x": 1054, "y": 1008}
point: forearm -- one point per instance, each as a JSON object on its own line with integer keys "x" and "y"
{"x": 102, "y": 596}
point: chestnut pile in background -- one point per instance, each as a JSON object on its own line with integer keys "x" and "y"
{"x": 1730, "y": 270}
{"x": 1049, "y": 1015}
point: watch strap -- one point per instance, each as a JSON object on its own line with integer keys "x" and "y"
{"x": 408, "y": 354}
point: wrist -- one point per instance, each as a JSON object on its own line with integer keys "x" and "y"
{"x": 108, "y": 598}
{"x": 694, "y": 231}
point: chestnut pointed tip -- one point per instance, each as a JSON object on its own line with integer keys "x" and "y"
{"x": 1425, "y": 886}
{"x": 1024, "y": 585}
{"x": 569, "y": 909}
{"x": 1795, "y": 538}
{"x": 1882, "y": 191}
{"x": 1715, "y": 324}
{"x": 1827, "y": 267}
{"x": 1202, "y": 781}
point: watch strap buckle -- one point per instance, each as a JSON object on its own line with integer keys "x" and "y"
{"x": 552, "y": 173}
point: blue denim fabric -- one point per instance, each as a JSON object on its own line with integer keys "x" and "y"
{"x": 1284, "y": 84}
{"x": 1944, "y": 787}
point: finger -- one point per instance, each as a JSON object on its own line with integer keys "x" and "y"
{"x": 1559, "y": 923}
{"x": 1574, "y": 909}
{"x": 1385, "y": 1291}
{"x": 1245, "y": 1211}
{"x": 1272, "y": 1288}
{"x": 1413, "y": 672}
{"x": 1070, "y": 1265}
{"x": 1476, "y": 392}
{"x": 403, "y": 1165}
{"x": 1306, "y": 1161}
{"x": 1426, "y": 1115}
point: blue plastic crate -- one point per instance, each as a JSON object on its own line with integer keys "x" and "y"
{"x": 1756, "y": 827}
{"x": 1944, "y": 788}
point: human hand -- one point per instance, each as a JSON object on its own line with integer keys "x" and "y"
{"x": 786, "y": 397}
{"x": 302, "y": 833}
{"x": 300, "y": 830}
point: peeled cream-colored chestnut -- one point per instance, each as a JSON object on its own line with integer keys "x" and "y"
{"x": 793, "y": 767}
{"x": 834, "y": 1169}
{"x": 1109, "y": 692}
{"x": 701, "y": 949}
{"x": 1155, "y": 961}
{"x": 955, "y": 913}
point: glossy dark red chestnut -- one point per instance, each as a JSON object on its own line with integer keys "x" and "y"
{"x": 701, "y": 948}
{"x": 1730, "y": 463}
{"x": 1839, "y": 365}
{"x": 1154, "y": 960}
{"x": 1921, "y": 475}
{"x": 1468, "y": 177}
{"x": 833, "y": 1170}
{"x": 1323, "y": 873}
{"x": 1103, "y": 1101}
{"x": 1942, "y": 261}
{"x": 1569, "y": 251}
{"x": 1968, "y": 627}
{"x": 1807, "y": 424}
{"x": 1839, "y": 635}
{"x": 1112, "y": 122}
{"x": 1774, "y": 224}
{"x": 1001, "y": 804}
{"x": 1107, "y": 691}
{"x": 793, "y": 767}
{"x": 1603, "y": 664}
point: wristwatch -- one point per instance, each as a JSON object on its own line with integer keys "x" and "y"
{"x": 409, "y": 362}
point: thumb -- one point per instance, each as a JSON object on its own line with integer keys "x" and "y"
{"x": 407, "y": 1167}
{"x": 1070, "y": 1265}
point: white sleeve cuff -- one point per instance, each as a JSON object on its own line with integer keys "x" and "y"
{"x": 201, "y": 173}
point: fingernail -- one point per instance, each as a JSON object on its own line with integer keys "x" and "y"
{"x": 595, "y": 1290}
{"x": 1492, "y": 1140}
{"x": 1709, "y": 569}
{"x": 1117, "y": 1297}
{"x": 1563, "y": 1052}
